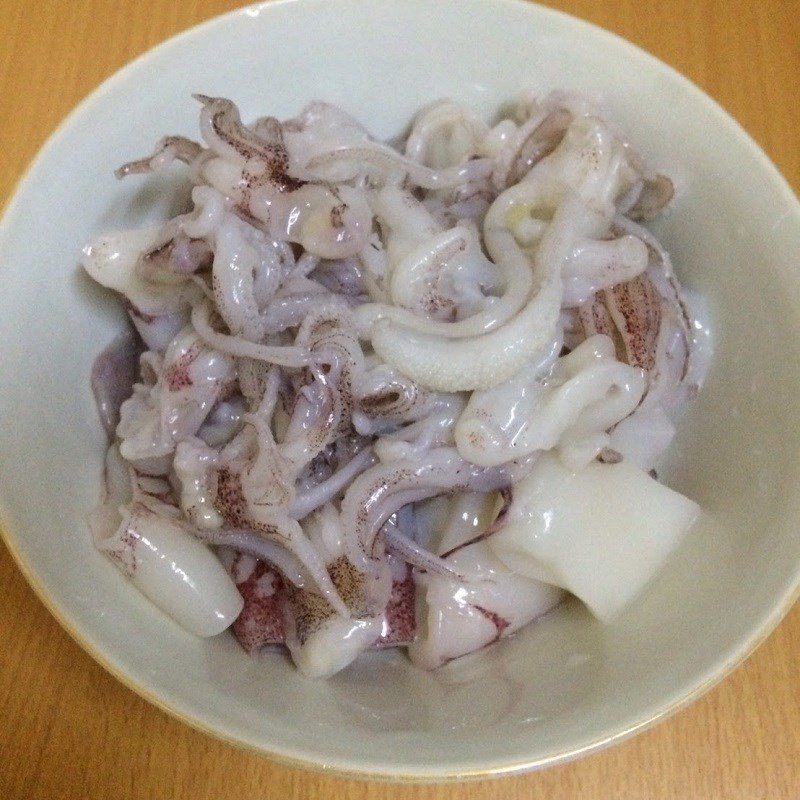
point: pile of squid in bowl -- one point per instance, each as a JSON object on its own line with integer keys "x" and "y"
{"x": 404, "y": 394}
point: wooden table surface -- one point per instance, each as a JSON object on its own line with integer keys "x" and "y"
{"x": 69, "y": 730}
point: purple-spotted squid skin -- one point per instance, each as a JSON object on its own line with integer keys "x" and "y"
{"x": 268, "y": 599}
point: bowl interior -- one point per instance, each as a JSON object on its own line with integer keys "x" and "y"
{"x": 565, "y": 684}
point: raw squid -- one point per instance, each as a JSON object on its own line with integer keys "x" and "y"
{"x": 394, "y": 395}
{"x": 156, "y": 551}
{"x": 568, "y": 528}
{"x": 487, "y": 602}
{"x": 568, "y": 406}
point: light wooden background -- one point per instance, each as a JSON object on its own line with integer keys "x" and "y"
{"x": 69, "y": 730}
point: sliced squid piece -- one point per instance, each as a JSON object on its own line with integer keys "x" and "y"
{"x": 157, "y": 309}
{"x": 443, "y": 286}
{"x": 598, "y": 264}
{"x": 384, "y": 489}
{"x": 435, "y": 430}
{"x": 570, "y": 407}
{"x": 248, "y": 269}
{"x": 384, "y": 398}
{"x": 195, "y": 469}
{"x": 399, "y": 621}
{"x": 167, "y": 150}
{"x": 642, "y": 437}
{"x": 114, "y": 373}
{"x": 174, "y": 570}
{"x": 260, "y": 622}
{"x": 321, "y": 640}
{"x": 576, "y": 185}
{"x": 319, "y": 128}
{"x": 456, "y": 617}
{"x": 656, "y": 327}
{"x": 326, "y": 490}
{"x": 480, "y": 362}
{"x": 445, "y": 134}
{"x": 387, "y": 165}
{"x": 155, "y": 418}
{"x": 602, "y": 532}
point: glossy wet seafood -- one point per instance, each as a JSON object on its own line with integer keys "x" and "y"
{"x": 374, "y": 391}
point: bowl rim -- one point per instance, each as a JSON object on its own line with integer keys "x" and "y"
{"x": 715, "y": 674}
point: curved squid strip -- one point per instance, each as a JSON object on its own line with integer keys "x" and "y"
{"x": 597, "y": 265}
{"x": 595, "y": 174}
{"x": 512, "y": 273}
{"x": 247, "y": 271}
{"x": 652, "y": 326}
{"x": 155, "y": 418}
{"x": 444, "y": 135}
{"x": 167, "y": 150}
{"x": 254, "y": 545}
{"x": 345, "y": 163}
{"x": 311, "y": 499}
{"x": 480, "y": 362}
{"x": 436, "y": 429}
{"x": 537, "y": 138}
{"x": 411, "y": 289}
{"x": 223, "y": 130}
{"x": 319, "y": 128}
{"x": 590, "y": 161}
{"x": 322, "y": 410}
{"x": 543, "y": 124}
{"x": 384, "y": 398}
{"x": 586, "y": 392}
{"x": 283, "y": 355}
{"x": 405, "y": 223}
{"x": 412, "y": 277}
{"x": 208, "y": 213}
{"x": 385, "y": 488}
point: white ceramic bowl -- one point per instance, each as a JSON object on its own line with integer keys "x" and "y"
{"x": 563, "y": 687}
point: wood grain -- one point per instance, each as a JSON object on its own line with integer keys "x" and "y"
{"x": 69, "y": 730}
